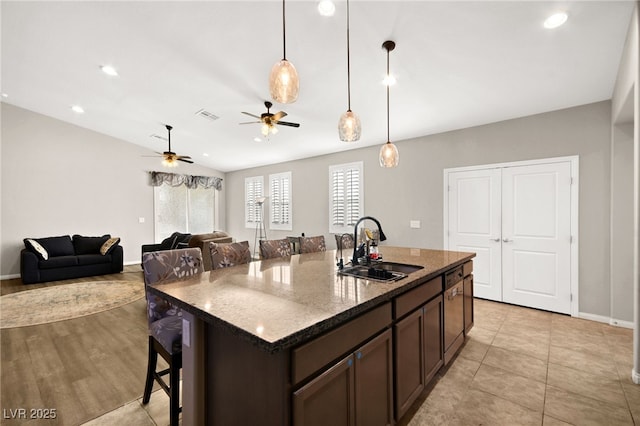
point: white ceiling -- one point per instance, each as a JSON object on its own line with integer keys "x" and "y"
{"x": 458, "y": 64}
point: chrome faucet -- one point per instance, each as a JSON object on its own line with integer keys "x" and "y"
{"x": 354, "y": 260}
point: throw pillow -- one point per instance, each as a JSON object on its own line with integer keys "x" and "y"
{"x": 88, "y": 245}
{"x": 57, "y": 246}
{"x": 109, "y": 246}
{"x": 37, "y": 248}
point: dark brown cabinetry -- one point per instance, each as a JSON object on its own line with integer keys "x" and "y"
{"x": 418, "y": 352}
{"x": 358, "y": 390}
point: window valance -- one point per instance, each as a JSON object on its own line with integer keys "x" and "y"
{"x": 191, "y": 182}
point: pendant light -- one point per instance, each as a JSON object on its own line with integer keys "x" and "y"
{"x": 283, "y": 80}
{"x": 389, "y": 156}
{"x": 349, "y": 127}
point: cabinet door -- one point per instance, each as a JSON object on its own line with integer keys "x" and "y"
{"x": 468, "y": 304}
{"x": 433, "y": 344}
{"x": 374, "y": 382}
{"x": 409, "y": 360}
{"x": 328, "y": 399}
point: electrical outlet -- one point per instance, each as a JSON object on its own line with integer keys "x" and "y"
{"x": 414, "y": 224}
{"x": 141, "y": 220}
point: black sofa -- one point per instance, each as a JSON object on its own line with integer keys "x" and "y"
{"x": 175, "y": 241}
{"x": 61, "y": 258}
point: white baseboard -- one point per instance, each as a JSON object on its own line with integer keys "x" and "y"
{"x": 635, "y": 376}
{"x": 9, "y": 277}
{"x": 594, "y": 317}
{"x": 607, "y": 320}
{"x": 621, "y": 323}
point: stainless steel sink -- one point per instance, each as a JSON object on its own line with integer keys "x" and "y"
{"x": 381, "y": 271}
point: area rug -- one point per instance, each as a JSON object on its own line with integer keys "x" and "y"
{"x": 66, "y": 301}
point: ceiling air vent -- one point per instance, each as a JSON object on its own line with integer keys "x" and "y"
{"x": 158, "y": 137}
{"x": 206, "y": 114}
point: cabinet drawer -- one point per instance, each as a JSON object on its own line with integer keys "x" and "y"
{"x": 467, "y": 268}
{"x": 312, "y": 356}
{"x": 418, "y": 296}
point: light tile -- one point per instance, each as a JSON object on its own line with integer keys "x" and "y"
{"x": 482, "y": 408}
{"x": 590, "y": 385}
{"x": 584, "y": 361}
{"x": 550, "y": 421}
{"x": 474, "y": 350}
{"x": 130, "y": 414}
{"x": 517, "y": 363}
{"x": 518, "y": 389}
{"x": 581, "y": 410}
{"x": 537, "y": 348}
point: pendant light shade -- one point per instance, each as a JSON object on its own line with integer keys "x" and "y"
{"x": 389, "y": 156}
{"x": 349, "y": 127}
{"x": 284, "y": 84}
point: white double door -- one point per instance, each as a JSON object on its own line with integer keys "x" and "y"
{"x": 517, "y": 219}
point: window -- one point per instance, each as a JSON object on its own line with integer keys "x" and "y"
{"x": 346, "y": 193}
{"x": 253, "y": 199}
{"x": 180, "y": 209}
{"x": 280, "y": 201}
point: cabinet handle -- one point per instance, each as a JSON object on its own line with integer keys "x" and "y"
{"x": 350, "y": 362}
{"x": 359, "y": 355}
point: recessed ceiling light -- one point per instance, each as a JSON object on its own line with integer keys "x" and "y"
{"x": 326, "y": 8}
{"x": 4, "y": 95}
{"x": 205, "y": 154}
{"x": 257, "y": 139}
{"x": 109, "y": 70}
{"x": 77, "y": 109}
{"x": 555, "y": 20}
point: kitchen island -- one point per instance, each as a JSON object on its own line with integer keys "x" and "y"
{"x": 290, "y": 341}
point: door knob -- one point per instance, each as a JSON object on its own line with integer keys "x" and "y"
{"x": 506, "y": 240}
{"x": 494, "y": 239}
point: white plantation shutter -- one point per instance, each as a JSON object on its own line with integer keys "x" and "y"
{"x": 346, "y": 203}
{"x": 280, "y": 201}
{"x": 253, "y": 190}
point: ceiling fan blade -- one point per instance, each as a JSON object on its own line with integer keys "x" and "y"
{"x": 286, "y": 123}
{"x": 251, "y": 115}
{"x": 251, "y": 122}
{"x": 279, "y": 115}
{"x": 182, "y": 156}
{"x": 185, "y": 161}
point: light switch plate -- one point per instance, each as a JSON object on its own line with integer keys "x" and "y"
{"x": 141, "y": 220}
{"x": 414, "y": 224}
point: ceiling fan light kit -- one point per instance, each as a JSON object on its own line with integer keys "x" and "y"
{"x": 170, "y": 158}
{"x": 349, "y": 126}
{"x": 284, "y": 83}
{"x": 389, "y": 156}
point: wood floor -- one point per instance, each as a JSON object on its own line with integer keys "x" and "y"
{"x": 82, "y": 367}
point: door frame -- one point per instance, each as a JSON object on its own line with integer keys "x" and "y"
{"x": 575, "y": 185}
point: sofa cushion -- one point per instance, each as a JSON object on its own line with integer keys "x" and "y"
{"x": 171, "y": 243}
{"x": 88, "y": 245}
{"x": 57, "y": 246}
{"x": 109, "y": 246}
{"x": 37, "y": 248}
{"x": 93, "y": 259}
{"x": 58, "y": 262}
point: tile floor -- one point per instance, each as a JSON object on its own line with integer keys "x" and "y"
{"x": 519, "y": 366}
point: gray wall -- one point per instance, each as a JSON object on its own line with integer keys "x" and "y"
{"x": 61, "y": 179}
{"x": 414, "y": 190}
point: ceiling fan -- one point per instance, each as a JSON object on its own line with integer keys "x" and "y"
{"x": 170, "y": 158}
{"x": 270, "y": 120}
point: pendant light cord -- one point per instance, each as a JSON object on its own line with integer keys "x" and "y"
{"x": 284, "y": 37}
{"x": 348, "y": 64}
{"x": 388, "y": 85}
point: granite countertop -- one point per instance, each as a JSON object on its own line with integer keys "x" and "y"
{"x": 280, "y": 303}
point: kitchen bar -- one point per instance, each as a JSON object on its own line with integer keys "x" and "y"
{"x": 263, "y": 341}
